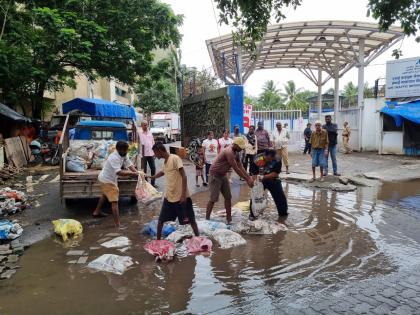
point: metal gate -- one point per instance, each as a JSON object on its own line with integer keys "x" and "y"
{"x": 292, "y": 117}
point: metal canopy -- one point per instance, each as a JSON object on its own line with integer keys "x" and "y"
{"x": 330, "y": 46}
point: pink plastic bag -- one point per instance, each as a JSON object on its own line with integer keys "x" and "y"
{"x": 162, "y": 249}
{"x": 198, "y": 244}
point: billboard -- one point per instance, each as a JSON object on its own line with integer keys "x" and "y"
{"x": 403, "y": 78}
{"x": 247, "y": 117}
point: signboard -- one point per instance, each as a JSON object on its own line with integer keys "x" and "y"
{"x": 403, "y": 78}
{"x": 247, "y": 117}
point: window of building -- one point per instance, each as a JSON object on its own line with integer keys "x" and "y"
{"x": 102, "y": 134}
{"x": 120, "y": 92}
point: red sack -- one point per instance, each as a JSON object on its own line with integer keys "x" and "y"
{"x": 162, "y": 249}
{"x": 198, "y": 244}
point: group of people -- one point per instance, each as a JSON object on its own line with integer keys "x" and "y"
{"x": 322, "y": 143}
{"x": 252, "y": 157}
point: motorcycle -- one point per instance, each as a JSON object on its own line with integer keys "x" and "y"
{"x": 44, "y": 153}
{"x": 193, "y": 146}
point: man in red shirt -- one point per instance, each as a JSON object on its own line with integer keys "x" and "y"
{"x": 219, "y": 182}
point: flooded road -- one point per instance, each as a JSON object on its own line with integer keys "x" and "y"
{"x": 332, "y": 239}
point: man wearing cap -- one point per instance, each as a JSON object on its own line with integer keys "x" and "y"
{"x": 219, "y": 182}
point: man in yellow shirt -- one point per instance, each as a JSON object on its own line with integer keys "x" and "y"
{"x": 177, "y": 202}
{"x": 319, "y": 149}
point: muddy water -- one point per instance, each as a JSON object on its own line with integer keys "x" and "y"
{"x": 333, "y": 239}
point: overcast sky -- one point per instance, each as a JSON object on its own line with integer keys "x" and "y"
{"x": 200, "y": 24}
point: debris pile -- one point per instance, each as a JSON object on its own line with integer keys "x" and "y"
{"x": 12, "y": 201}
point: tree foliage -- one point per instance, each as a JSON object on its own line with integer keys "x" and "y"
{"x": 46, "y": 44}
{"x": 270, "y": 97}
{"x": 161, "y": 95}
{"x": 350, "y": 93}
{"x": 250, "y": 18}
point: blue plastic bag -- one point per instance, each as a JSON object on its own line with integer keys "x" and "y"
{"x": 151, "y": 229}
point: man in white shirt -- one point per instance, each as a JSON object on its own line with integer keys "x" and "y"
{"x": 147, "y": 156}
{"x": 108, "y": 179}
{"x": 280, "y": 139}
{"x": 210, "y": 151}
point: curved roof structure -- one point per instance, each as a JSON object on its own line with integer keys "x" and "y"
{"x": 331, "y": 46}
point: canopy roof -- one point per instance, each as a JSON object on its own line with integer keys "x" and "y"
{"x": 9, "y": 113}
{"x": 99, "y": 107}
{"x": 400, "y": 111}
{"x": 306, "y": 46}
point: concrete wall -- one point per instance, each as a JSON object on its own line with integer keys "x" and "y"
{"x": 204, "y": 112}
{"x": 371, "y": 127}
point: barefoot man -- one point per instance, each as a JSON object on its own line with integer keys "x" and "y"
{"x": 108, "y": 179}
{"x": 319, "y": 145}
{"x": 219, "y": 182}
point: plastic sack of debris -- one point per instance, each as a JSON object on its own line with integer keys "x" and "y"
{"x": 260, "y": 226}
{"x": 67, "y": 227}
{"x": 120, "y": 241}
{"x": 75, "y": 164}
{"x": 198, "y": 244}
{"x": 182, "y": 232}
{"x": 80, "y": 148}
{"x": 207, "y": 227}
{"x": 163, "y": 250}
{"x": 145, "y": 192}
{"x": 243, "y": 205}
{"x": 227, "y": 238}
{"x": 259, "y": 198}
{"x": 111, "y": 263}
{"x": 151, "y": 228}
{"x": 9, "y": 230}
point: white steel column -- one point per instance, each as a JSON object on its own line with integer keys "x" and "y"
{"x": 319, "y": 94}
{"x": 360, "y": 87}
{"x": 336, "y": 89}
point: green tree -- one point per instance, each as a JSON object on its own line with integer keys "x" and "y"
{"x": 367, "y": 91}
{"x": 161, "y": 95}
{"x": 350, "y": 93}
{"x": 270, "y": 97}
{"x": 250, "y": 17}
{"x": 46, "y": 44}
{"x": 290, "y": 91}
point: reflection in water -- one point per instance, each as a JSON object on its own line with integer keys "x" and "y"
{"x": 333, "y": 238}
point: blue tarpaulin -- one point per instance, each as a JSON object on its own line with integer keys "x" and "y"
{"x": 409, "y": 111}
{"x": 99, "y": 107}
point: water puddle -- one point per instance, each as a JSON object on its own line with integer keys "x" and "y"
{"x": 332, "y": 239}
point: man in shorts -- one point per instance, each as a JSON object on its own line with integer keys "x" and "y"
{"x": 319, "y": 152}
{"x": 219, "y": 182}
{"x": 177, "y": 202}
{"x": 108, "y": 179}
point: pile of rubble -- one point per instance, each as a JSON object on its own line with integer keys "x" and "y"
{"x": 12, "y": 201}
{"x": 9, "y": 257}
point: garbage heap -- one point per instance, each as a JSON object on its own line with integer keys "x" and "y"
{"x": 11, "y": 202}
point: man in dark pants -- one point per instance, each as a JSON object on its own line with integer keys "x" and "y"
{"x": 307, "y": 134}
{"x": 331, "y": 128}
{"x": 269, "y": 170}
{"x": 148, "y": 157}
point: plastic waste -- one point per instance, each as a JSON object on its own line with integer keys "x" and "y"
{"x": 67, "y": 227}
{"x": 9, "y": 230}
{"x": 243, "y": 205}
{"x": 111, "y": 263}
{"x": 259, "y": 198}
{"x": 260, "y": 226}
{"x": 120, "y": 241}
{"x": 227, "y": 238}
{"x": 75, "y": 164}
{"x": 198, "y": 244}
{"x": 162, "y": 249}
{"x": 182, "y": 232}
{"x": 207, "y": 227}
{"x": 145, "y": 192}
{"x": 151, "y": 228}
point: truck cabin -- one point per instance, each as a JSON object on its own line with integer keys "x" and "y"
{"x": 101, "y": 129}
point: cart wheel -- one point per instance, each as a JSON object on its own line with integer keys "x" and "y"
{"x": 55, "y": 161}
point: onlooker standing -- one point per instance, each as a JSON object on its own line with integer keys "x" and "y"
{"x": 307, "y": 135}
{"x": 210, "y": 146}
{"x": 250, "y": 150}
{"x": 263, "y": 138}
{"x": 219, "y": 182}
{"x": 199, "y": 165}
{"x": 280, "y": 139}
{"x": 236, "y": 132}
{"x": 346, "y": 137}
{"x": 224, "y": 141}
{"x": 147, "y": 156}
{"x": 332, "y": 131}
{"x": 319, "y": 143}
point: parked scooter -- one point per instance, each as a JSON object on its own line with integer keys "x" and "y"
{"x": 44, "y": 153}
